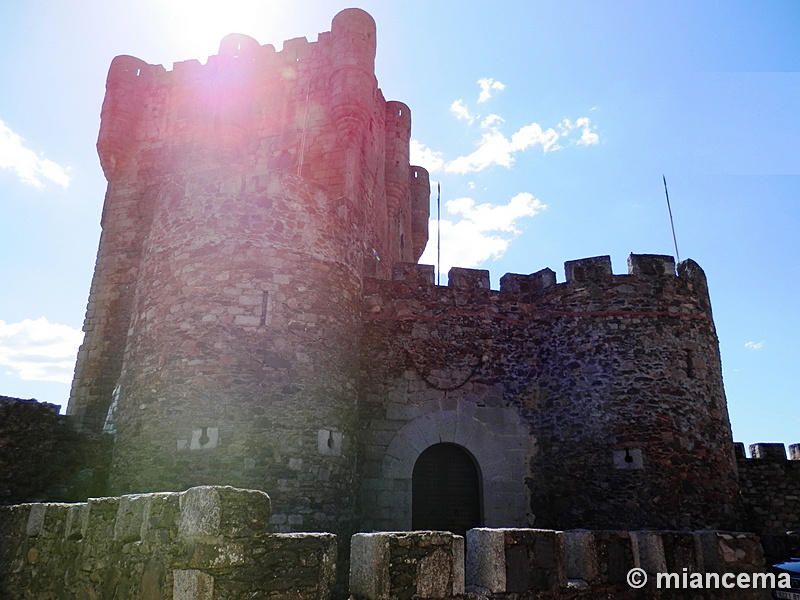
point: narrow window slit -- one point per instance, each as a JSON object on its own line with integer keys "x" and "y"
{"x": 264, "y": 302}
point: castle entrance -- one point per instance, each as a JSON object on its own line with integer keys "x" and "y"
{"x": 446, "y": 490}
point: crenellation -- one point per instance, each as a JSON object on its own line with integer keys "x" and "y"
{"x": 238, "y": 45}
{"x": 770, "y": 486}
{"x": 650, "y": 265}
{"x": 794, "y": 451}
{"x": 528, "y": 286}
{"x": 587, "y": 270}
{"x": 468, "y": 279}
{"x": 141, "y": 546}
{"x": 768, "y": 451}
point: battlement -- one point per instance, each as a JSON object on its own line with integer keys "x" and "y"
{"x": 770, "y": 486}
{"x": 641, "y": 267}
{"x": 762, "y": 451}
{"x": 353, "y": 23}
{"x": 652, "y": 284}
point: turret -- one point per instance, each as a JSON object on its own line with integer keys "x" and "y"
{"x": 420, "y": 210}
{"x": 352, "y": 81}
{"x": 126, "y": 87}
{"x": 398, "y": 135}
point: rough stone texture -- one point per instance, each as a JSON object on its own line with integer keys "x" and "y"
{"x": 208, "y": 542}
{"x": 770, "y": 487}
{"x": 405, "y": 565}
{"x": 597, "y": 562}
{"x": 551, "y": 388}
{"x": 518, "y": 561}
{"x": 599, "y": 557}
{"x": 43, "y": 458}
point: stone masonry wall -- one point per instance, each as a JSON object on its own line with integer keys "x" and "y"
{"x": 240, "y": 360}
{"x": 770, "y": 487}
{"x": 593, "y": 403}
{"x": 208, "y": 542}
{"x": 43, "y": 458}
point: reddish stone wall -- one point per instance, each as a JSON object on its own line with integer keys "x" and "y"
{"x": 566, "y": 380}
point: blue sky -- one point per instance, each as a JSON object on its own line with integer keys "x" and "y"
{"x": 548, "y": 124}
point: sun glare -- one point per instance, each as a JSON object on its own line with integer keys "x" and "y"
{"x": 197, "y": 26}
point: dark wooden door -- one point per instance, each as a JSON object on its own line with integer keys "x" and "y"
{"x": 446, "y": 490}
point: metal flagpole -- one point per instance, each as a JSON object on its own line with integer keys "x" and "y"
{"x": 671, "y": 223}
{"x": 438, "y": 233}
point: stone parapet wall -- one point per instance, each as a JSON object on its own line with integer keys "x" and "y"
{"x": 770, "y": 487}
{"x": 528, "y": 563}
{"x": 512, "y": 564}
{"x": 207, "y": 542}
{"x": 43, "y": 458}
{"x": 212, "y": 542}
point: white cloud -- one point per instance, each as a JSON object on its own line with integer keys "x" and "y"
{"x": 495, "y": 148}
{"x": 459, "y": 109}
{"x": 754, "y": 345}
{"x": 532, "y": 135}
{"x": 29, "y": 167}
{"x": 588, "y": 136}
{"x": 478, "y": 232}
{"x": 37, "y": 350}
{"x": 423, "y": 156}
{"x": 492, "y": 121}
{"x": 488, "y": 86}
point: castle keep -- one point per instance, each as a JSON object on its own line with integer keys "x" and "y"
{"x": 257, "y": 319}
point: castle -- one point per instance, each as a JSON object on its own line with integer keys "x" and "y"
{"x": 257, "y": 319}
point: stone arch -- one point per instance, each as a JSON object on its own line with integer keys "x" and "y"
{"x": 497, "y": 440}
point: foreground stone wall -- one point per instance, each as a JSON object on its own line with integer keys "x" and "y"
{"x": 770, "y": 487}
{"x": 535, "y": 563}
{"x": 43, "y": 459}
{"x": 207, "y": 542}
{"x": 212, "y": 543}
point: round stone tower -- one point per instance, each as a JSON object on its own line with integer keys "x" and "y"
{"x": 242, "y": 343}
